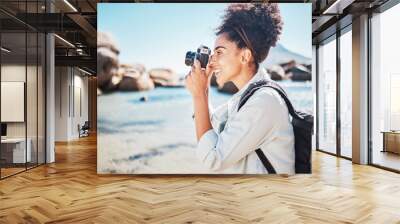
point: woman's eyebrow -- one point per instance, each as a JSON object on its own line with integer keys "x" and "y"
{"x": 216, "y": 48}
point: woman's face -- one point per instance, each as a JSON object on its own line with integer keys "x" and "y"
{"x": 226, "y": 60}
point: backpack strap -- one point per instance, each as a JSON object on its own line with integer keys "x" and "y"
{"x": 253, "y": 87}
{"x": 267, "y": 164}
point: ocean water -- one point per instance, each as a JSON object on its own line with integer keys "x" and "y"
{"x": 158, "y": 136}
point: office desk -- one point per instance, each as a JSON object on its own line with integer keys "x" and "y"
{"x": 16, "y": 148}
{"x": 391, "y": 141}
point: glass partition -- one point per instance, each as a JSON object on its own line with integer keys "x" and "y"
{"x": 346, "y": 94}
{"x": 31, "y": 100}
{"x": 327, "y": 96}
{"x": 32, "y": 86}
{"x": 14, "y": 152}
{"x": 385, "y": 88}
{"x": 23, "y": 89}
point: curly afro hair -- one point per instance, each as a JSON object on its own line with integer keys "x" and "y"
{"x": 256, "y": 26}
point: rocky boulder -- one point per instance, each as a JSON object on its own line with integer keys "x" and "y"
{"x": 228, "y": 87}
{"x": 300, "y": 73}
{"x": 288, "y": 65}
{"x": 163, "y": 77}
{"x": 277, "y": 72}
{"x": 213, "y": 81}
{"x": 134, "y": 78}
{"x": 107, "y": 63}
{"x": 105, "y": 40}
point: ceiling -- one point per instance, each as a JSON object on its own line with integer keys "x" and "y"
{"x": 75, "y": 23}
{"x": 329, "y": 16}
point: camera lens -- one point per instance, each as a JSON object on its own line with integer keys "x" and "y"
{"x": 189, "y": 58}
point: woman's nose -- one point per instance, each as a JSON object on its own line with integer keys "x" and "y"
{"x": 212, "y": 58}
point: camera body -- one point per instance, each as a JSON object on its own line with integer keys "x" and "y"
{"x": 202, "y": 54}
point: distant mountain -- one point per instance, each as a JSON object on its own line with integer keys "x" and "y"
{"x": 279, "y": 54}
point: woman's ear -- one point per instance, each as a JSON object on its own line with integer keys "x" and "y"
{"x": 246, "y": 56}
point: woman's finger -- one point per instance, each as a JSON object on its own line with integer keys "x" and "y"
{"x": 187, "y": 76}
{"x": 188, "y": 81}
{"x": 209, "y": 69}
{"x": 197, "y": 66}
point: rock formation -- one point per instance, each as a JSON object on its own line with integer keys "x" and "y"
{"x": 134, "y": 78}
{"x": 107, "y": 63}
{"x": 163, "y": 77}
{"x": 277, "y": 73}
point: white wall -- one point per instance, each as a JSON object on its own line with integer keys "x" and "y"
{"x": 12, "y": 101}
{"x": 33, "y": 126}
{"x": 71, "y": 94}
{"x": 61, "y": 103}
{"x": 12, "y": 73}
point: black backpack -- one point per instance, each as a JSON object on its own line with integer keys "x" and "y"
{"x": 302, "y": 128}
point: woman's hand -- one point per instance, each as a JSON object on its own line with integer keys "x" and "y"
{"x": 197, "y": 82}
{"x": 198, "y": 79}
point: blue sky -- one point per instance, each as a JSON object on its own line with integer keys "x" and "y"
{"x": 158, "y": 35}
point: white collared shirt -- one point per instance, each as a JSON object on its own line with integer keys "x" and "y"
{"x": 263, "y": 122}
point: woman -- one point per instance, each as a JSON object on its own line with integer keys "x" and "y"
{"x": 227, "y": 141}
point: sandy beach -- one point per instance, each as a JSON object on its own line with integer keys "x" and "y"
{"x": 158, "y": 136}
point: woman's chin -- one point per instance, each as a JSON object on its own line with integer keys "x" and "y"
{"x": 220, "y": 83}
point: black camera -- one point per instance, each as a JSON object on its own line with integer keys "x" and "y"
{"x": 202, "y": 54}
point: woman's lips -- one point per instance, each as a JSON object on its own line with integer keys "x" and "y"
{"x": 216, "y": 71}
